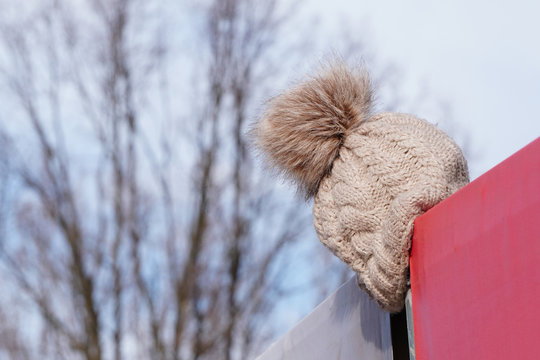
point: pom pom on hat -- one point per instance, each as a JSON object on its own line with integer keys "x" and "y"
{"x": 303, "y": 128}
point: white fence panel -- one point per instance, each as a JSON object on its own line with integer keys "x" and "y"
{"x": 347, "y": 325}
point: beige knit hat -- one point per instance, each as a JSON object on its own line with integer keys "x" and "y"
{"x": 371, "y": 176}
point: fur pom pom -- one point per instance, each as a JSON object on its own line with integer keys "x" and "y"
{"x": 302, "y": 129}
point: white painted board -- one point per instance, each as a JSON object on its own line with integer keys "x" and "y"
{"x": 347, "y": 325}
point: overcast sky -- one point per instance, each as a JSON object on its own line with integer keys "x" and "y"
{"x": 482, "y": 57}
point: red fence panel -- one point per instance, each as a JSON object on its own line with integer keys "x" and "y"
{"x": 475, "y": 267}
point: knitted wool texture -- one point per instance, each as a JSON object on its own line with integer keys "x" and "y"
{"x": 371, "y": 176}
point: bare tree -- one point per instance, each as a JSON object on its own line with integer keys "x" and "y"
{"x": 134, "y": 222}
{"x": 122, "y": 243}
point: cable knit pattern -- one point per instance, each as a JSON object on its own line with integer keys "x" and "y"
{"x": 371, "y": 175}
{"x": 390, "y": 170}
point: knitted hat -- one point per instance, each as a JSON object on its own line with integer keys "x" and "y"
{"x": 371, "y": 176}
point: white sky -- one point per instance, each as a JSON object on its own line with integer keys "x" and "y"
{"x": 482, "y": 57}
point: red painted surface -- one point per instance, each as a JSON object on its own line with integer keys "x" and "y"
{"x": 475, "y": 267}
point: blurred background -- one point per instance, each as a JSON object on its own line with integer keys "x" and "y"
{"x": 135, "y": 220}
